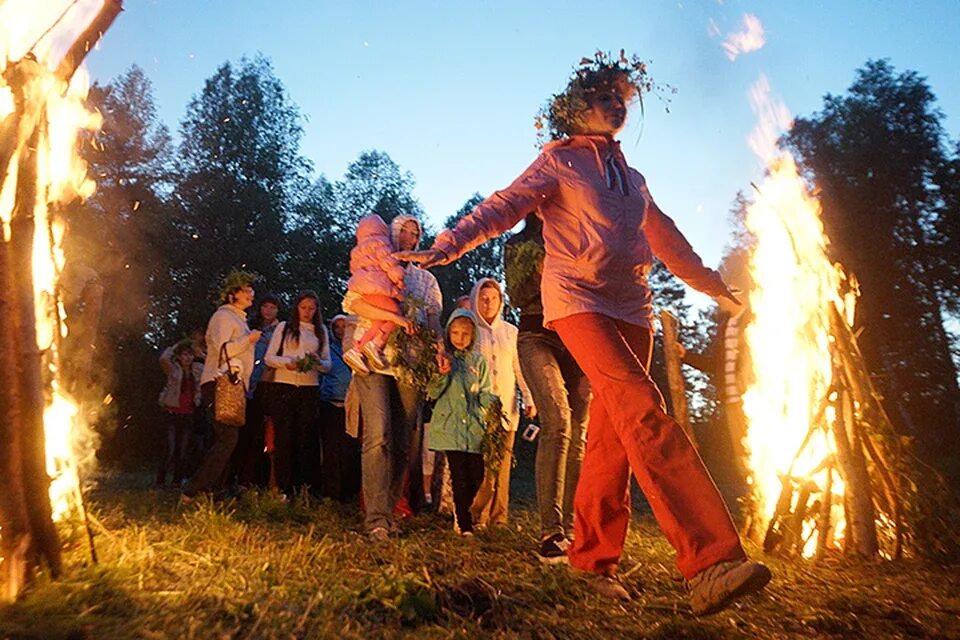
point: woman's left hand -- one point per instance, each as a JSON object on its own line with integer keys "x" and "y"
{"x": 731, "y": 295}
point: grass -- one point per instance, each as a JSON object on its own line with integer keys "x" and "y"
{"x": 258, "y": 568}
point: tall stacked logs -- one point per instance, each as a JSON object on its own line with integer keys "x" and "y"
{"x": 28, "y": 537}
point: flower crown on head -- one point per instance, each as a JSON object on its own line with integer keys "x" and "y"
{"x": 563, "y": 114}
{"x": 234, "y": 281}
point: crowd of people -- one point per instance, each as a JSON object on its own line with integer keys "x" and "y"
{"x": 579, "y": 360}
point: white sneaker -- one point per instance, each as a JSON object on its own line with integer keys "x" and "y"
{"x": 354, "y": 360}
{"x": 716, "y": 587}
{"x": 374, "y": 356}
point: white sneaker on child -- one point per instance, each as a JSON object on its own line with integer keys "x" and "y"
{"x": 374, "y": 356}
{"x": 354, "y": 360}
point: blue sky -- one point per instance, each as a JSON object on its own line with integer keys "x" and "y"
{"x": 450, "y": 89}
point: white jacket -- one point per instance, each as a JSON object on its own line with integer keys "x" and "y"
{"x": 309, "y": 342}
{"x": 228, "y": 325}
{"x": 497, "y": 342}
{"x": 170, "y": 396}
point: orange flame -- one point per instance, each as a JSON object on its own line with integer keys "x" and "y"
{"x": 789, "y": 337}
{"x": 750, "y": 39}
{"x": 25, "y": 27}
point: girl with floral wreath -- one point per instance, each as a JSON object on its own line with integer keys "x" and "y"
{"x": 601, "y": 230}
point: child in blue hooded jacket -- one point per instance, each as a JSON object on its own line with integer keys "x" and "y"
{"x": 462, "y": 393}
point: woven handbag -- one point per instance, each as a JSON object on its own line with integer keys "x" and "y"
{"x": 230, "y": 400}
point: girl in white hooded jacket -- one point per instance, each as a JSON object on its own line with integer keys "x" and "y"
{"x": 497, "y": 342}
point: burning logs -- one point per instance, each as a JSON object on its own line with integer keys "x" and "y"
{"x": 874, "y": 470}
{"x": 27, "y": 533}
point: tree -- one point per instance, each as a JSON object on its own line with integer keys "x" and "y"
{"x": 116, "y": 246}
{"x": 240, "y": 176}
{"x": 874, "y": 154}
{"x": 374, "y": 183}
{"x": 946, "y": 228}
{"x": 319, "y": 243}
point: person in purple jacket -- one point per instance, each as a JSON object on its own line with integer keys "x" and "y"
{"x": 601, "y": 230}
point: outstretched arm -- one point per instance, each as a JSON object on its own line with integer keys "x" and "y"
{"x": 670, "y": 245}
{"x": 492, "y": 217}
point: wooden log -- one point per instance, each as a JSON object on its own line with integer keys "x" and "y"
{"x": 88, "y": 39}
{"x": 671, "y": 356}
{"x": 793, "y": 540}
{"x": 775, "y": 528}
{"x": 891, "y": 488}
{"x": 861, "y": 521}
{"x": 36, "y": 482}
{"x": 824, "y": 522}
{"x": 14, "y": 521}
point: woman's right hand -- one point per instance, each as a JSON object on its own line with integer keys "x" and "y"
{"x": 254, "y": 336}
{"x": 426, "y": 258}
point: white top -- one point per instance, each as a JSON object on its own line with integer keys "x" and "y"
{"x": 228, "y": 324}
{"x": 295, "y": 350}
{"x": 497, "y": 342}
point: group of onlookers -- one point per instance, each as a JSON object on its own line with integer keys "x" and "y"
{"x": 316, "y": 392}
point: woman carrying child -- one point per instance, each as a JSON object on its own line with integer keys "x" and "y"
{"x": 462, "y": 393}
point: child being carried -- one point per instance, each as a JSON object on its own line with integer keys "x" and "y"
{"x": 378, "y": 278}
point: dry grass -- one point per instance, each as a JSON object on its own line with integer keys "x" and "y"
{"x": 257, "y": 568}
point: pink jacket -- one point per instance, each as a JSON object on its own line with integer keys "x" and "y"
{"x": 600, "y": 235}
{"x": 373, "y": 269}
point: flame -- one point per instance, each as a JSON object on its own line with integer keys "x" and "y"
{"x": 25, "y": 28}
{"x": 750, "y": 39}
{"x": 789, "y": 337}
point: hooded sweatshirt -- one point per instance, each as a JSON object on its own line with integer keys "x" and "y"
{"x": 420, "y": 288}
{"x": 374, "y": 270}
{"x": 462, "y": 397}
{"x": 601, "y": 229}
{"x": 497, "y": 343}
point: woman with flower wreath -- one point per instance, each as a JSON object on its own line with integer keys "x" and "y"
{"x": 299, "y": 350}
{"x": 227, "y": 331}
{"x": 601, "y": 230}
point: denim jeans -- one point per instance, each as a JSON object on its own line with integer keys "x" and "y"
{"x": 389, "y": 416}
{"x": 561, "y": 394}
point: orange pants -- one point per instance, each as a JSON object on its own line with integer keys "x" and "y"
{"x": 630, "y": 431}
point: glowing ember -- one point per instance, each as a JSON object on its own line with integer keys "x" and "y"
{"x": 25, "y": 27}
{"x": 789, "y": 338}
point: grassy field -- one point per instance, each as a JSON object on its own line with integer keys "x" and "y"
{"x": 258, "y": 568}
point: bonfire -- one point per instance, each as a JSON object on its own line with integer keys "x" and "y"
{"x": 42, "y": 45}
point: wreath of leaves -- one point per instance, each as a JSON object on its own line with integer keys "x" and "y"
{"x": 562, "y": 116}
{"x": 234, "y": 281}
{"x": 413, "y": 357}
{"x": 494, "y": 446}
